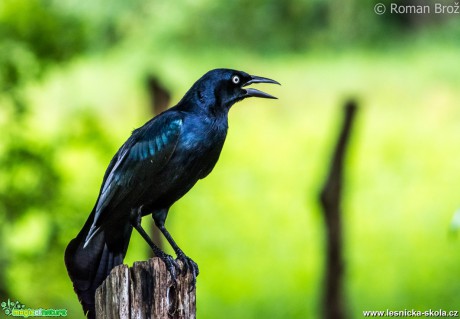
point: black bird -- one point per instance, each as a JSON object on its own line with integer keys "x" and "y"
{"x": 158, "y": 164}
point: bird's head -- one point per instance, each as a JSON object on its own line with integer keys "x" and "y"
{"x": 221, "y": 88}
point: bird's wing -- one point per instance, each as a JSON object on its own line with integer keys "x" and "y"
{"x": 143, "y": 155}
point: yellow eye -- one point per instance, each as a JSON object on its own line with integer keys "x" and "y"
{"x": 236, "y": 79}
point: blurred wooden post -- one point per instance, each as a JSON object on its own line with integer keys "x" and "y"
{"x": 330, "y": 197}
{"x": 159, "y": 100}
{"x": 159, "y": 95}
{"x": 145, "y": 291}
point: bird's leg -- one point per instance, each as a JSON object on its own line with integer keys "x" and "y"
{"x": 169, "y": 261}
{"x": 188, "y": 263}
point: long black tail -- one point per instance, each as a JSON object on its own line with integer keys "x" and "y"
{"x": 89, "y": 266}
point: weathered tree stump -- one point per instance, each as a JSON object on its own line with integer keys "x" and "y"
{"x": 145, "y": 291}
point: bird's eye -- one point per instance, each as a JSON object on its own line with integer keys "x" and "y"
{"x": 236, "y": 79}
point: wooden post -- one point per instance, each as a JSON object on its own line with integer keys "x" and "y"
{"x": 145, "y": 291}
{"x": 330, "y": 197}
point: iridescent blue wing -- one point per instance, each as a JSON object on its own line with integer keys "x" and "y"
{"x": 140, "y": 159}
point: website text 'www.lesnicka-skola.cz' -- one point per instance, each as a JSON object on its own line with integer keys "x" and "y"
{"x": 439, "y": 313}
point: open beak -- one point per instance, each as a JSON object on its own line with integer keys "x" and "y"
{"x": 250, "y": 92}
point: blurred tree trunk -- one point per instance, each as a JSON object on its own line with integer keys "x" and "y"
{"x": 159, "y": 95}
{"x": 330, "y": 198}
{"x": 159, "y": 98}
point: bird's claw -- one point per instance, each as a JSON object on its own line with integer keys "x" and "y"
{"x": 172, "y": 266}
{"x": 189, "y": 265}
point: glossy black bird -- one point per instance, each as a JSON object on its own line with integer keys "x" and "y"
{"x": 157, "y": 165}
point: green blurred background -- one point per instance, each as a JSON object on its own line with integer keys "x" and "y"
{"x": 72, "y": 87}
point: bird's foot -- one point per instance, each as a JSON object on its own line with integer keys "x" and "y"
{"x": 172, "y": 266}
{"x": 189, "y": 265}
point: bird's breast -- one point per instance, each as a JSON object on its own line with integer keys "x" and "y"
{"x": 203, "y": 132}
{"x": 200, "y": 143}
{"x": 196, "y": 153}
{"x": 195, "y": 156}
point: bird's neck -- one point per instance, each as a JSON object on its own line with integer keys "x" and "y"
{"x": 205, "y": 104}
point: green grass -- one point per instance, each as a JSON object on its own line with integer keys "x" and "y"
{"x": 254, "y": 225}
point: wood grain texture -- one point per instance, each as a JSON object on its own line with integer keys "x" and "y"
{"x": 145, "y": 291}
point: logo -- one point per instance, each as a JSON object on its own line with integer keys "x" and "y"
{"x": 16, "y": 309}
{"x": 380, "y": 8}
